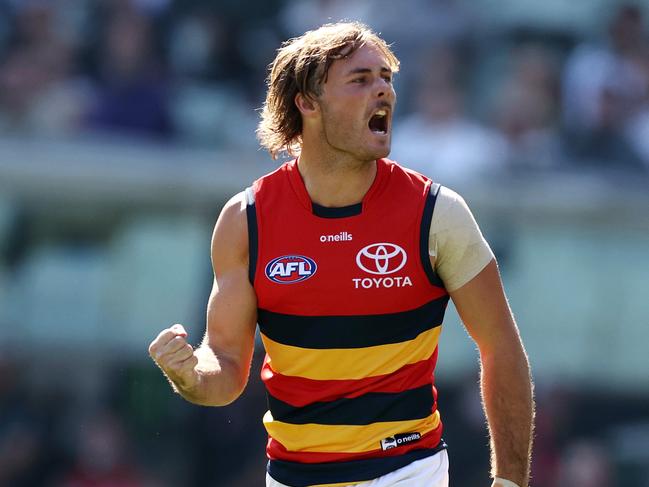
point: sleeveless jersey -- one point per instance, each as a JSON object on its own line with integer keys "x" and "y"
{"x": 350, "y": 312}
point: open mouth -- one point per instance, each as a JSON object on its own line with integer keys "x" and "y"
{"x": 378, "y": 123}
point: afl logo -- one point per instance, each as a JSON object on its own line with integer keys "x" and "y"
{"x": 289, "y": 269}
{"x": 381, "y": 258}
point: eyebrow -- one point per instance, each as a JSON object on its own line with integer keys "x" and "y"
{"x": 367, "y": 70}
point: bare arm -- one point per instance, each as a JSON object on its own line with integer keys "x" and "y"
{"x": 505, "y": 374}
{"x": 216, "y": 373}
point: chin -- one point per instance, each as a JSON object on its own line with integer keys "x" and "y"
{"x": 380, "y": 153}
{"x": 371, "y": 155}
{"x": 370, "y": 151}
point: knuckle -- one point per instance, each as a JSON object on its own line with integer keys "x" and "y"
{"x": 172, "y": 367}
{"x": 155, "y": 353}
{"x": 189, "y": 364}
{"x": 162, "y": 338}
{"x": 185, "y": 354}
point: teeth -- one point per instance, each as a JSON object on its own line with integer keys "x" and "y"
{"x": 381, "y": 113}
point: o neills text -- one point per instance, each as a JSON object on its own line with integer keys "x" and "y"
{"x": 339, "y": 237}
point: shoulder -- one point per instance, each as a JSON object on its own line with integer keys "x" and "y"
{"x": 234, "y": 211}
{"x": 452, "y": 218}
{"x": 449, "y": 201}
{"x": 455, "y": 240}
{"x": 406, "y": 177}
{"x": 231, "y": 229}
{"x": 275, "y": 176}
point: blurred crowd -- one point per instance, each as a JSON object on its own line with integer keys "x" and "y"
{"x": 472, "y": 99}
{"x": 132, "y": 432}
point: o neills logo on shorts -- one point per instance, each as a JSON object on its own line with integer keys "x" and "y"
{"x": 399, "y": 440}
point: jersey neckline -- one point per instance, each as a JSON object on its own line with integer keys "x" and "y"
{"x": 338, "y": 211}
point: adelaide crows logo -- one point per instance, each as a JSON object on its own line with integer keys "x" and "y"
{"x": 289, "y": 269}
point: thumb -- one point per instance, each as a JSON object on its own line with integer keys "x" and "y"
{"x": 179, "y": 330}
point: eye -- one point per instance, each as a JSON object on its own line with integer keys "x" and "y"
{"x": 359, "y": 80}
{"x": 388, "y": 79}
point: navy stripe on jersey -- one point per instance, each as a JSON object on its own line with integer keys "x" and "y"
{"x": 323, "y": 332}
{"x": 367, "y": 409}
{"x": 424, "y": 235}
{"x": 251, "y": 216}
{"x": 305, "y": 474}
{"x": 337, "y": 212}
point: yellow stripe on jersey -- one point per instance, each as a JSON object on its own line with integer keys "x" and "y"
{"x": 349, "y": 363}
{"x": 343, "y": 438}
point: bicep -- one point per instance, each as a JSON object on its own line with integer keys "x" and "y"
{"x": 484, "y": 310}
{"x": 232, "y": 317}
{"x": 232, "y": 305}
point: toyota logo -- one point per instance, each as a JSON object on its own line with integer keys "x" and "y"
{"x": 381, "y": 258}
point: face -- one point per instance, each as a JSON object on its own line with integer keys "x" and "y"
{"x": 356, "y": 105}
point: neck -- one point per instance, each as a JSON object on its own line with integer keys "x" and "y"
{"x": 336, "y": 182}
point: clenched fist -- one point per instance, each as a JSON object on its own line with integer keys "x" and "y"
{"x": 175, "y": 357}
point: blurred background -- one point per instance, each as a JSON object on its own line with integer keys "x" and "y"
{"x": 126, "y": 124}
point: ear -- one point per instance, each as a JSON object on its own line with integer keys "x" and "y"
{"x": 306, "y": 104}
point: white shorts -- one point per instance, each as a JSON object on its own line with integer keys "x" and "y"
{"x": 429, "y": 472}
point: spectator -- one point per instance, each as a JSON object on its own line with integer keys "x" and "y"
{"x": 199, "y": 46}
{"x": 526, "y": 112}
{"x": 603, "y": 86}
{"x": 438, "y": 139}
{"x": 298, "y": 17}
{"x": 132, "y": 93}
{"x": 417, "y": 25}
{"x": 586, "y": 463}
{"x": 102, "y": 457}
{"x": 38, "y": 93}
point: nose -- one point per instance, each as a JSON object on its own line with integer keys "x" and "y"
{"x": 385, "y": 89}
{"x": 382, "y": 88}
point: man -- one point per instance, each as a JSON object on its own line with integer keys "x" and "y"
{"x": 346, "y": 261}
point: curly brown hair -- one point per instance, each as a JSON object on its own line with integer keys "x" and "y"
{"x": 301, "y": 66}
